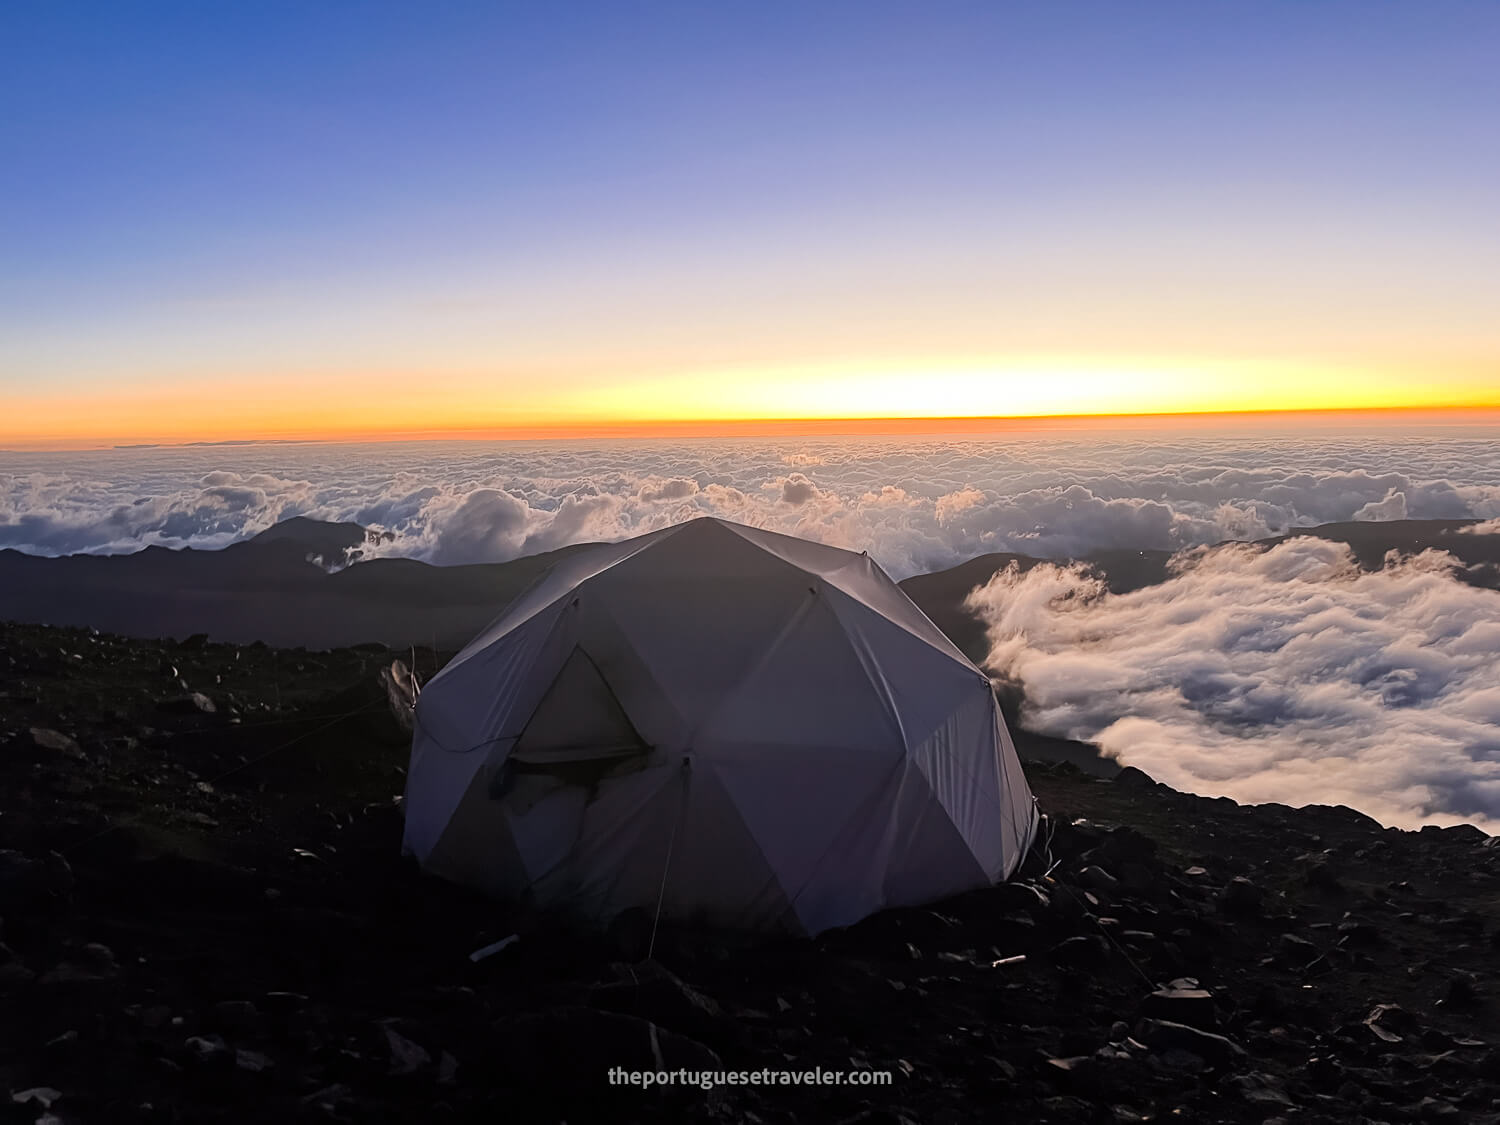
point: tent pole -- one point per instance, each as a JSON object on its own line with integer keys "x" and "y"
{"x": 661, "y": 892}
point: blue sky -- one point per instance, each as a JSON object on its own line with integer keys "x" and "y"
{"x": 213, "y": 197}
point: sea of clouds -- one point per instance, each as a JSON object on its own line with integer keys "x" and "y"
{"x": 1285, "y": 674}
{"x": 915, "y": 505}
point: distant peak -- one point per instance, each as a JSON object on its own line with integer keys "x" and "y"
{"x": 330, "y": 544}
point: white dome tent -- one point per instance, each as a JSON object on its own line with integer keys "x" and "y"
{"x": 727, "y": 725}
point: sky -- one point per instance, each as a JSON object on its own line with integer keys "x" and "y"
{"x": 249, "y": 220}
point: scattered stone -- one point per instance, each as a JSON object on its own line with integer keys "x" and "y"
{"x": 1317, "y": 874}
{"x": 253, "y": 1061}
{"x": 1163, "y": 1035}
{"x": 55, "y": 742}
{"x": 284, "y": 1002}
{"x": 1241, "y": 898}
{"x": 1085, "y": 951}
{"x": 654, "y": 993}
{"x": 42, "y": 1096}
{"x": 1354, "y": 934}
{"x": 1294, "y": 952}
{"x": 1097, "y": 878}
{"x": 1192, "y": 1006}
{"x": 1460, "y": 995}
{"x": 406, "y": 1057}
{"x": 188, "y": 703}
{"x": 206, "y": 1049}
{"x": 93, "y": 964}
{"x": 1258, "y": 1088}
{"x": 1391, "y": 1022}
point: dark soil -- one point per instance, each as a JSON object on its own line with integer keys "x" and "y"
{"x": 206, "y": 917}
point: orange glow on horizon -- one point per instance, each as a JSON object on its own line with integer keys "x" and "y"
{"x": 1483, "y": 414}
{"x": 905, "y": 399}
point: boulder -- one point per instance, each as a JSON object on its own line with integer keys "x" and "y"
{"x": 55, "y": 742}
{"x": 1192, "y": 1006}
{"x": 1241, "y": 898}
{"x": 188, "y": 703}
{"x": 1164, "y": 1035}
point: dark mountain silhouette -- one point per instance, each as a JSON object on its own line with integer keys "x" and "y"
{"x": 291, "y": 585}
{"x": 275, "y": 588}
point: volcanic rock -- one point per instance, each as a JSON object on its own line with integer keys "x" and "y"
{"x": 55, "y": 742}
{"x": 1164, "y": 1035}
{"x": 189, "y": 703}
{"x": 1192, "y": 1006}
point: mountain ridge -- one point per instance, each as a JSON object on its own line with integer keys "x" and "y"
{"x": 308, "y": 583}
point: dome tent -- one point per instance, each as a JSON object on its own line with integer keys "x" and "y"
{"x": 747, "y": 729}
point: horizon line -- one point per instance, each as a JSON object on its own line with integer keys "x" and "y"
{"x": 829, "y": 426}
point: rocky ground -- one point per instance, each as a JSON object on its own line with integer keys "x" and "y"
{"x": 206, "y": 918}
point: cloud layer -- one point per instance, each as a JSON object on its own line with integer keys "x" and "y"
{"x": 1279, "y": 675}
{"x": 915, "y": 505}
{"x": 1271, "y": 675}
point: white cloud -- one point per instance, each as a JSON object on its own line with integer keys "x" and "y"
{"x": 1392, "y": 507}
{"x": 678, "y": 488}
{"x": 1284, "y": 675}
{"x": 797, "y": 490}
{"x": 914, "y": 504}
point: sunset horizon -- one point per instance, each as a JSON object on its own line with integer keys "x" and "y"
{"x": 853, "y": 425}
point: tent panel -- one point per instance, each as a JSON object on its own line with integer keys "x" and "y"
{"x": 475, "y": 847}
{"x": 921, "y": 684}
{"x": 859, "y": 576}
{"x": 930, "y": 859}
{"x": 809, "y": 689}
{"x": 695, "y": 640}
{"x": 796, "y": 801}
{"x": 621, "y": 844}
{"x": 720, "y": 874}
{"x": 961, "y": 762}
{"x": 553, "y": 584}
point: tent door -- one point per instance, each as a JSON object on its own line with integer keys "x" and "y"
{"x": 579, "y": 730}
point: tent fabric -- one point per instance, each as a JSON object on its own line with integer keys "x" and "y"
{"x": 751, "y": 730}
